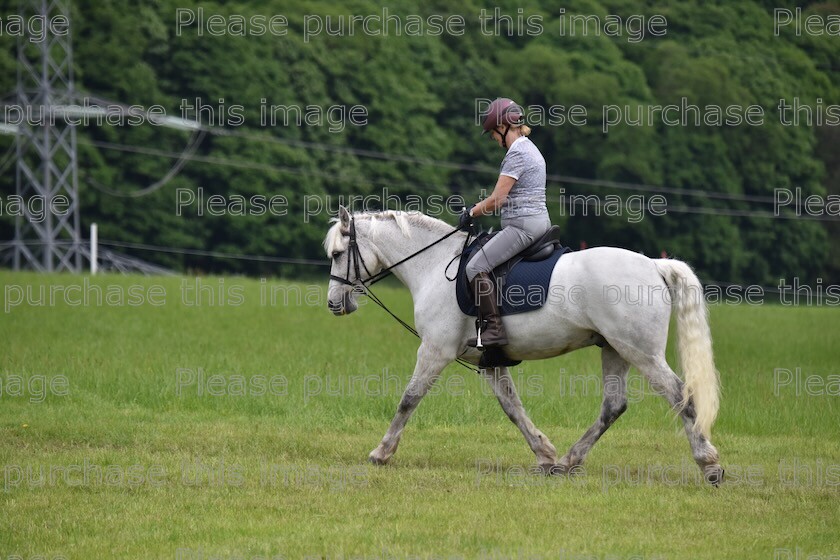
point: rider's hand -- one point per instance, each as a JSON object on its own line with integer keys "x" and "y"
{"x": 465, "y": 220}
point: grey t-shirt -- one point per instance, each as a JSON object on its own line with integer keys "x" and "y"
{"x": 525, "y": 163}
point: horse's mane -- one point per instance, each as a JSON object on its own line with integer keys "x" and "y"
{"x": 406, "y": 221}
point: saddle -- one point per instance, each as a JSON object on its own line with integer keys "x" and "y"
{"x": 522, "y": 282}
{"x": 539, "y": 250}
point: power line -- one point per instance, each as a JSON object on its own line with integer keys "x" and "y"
{"x": 491, "y": 170}
{"x": 217, "y": 254}
{"x": 237, "y": 163}
{"x": 312, "y": 262}
{"x": 703, "y": 210}
{"x": 374, "y": 154}
{"x": 192, "y": 145}
{"x": 305, "y": 172}
{"x": 178, "y": 251}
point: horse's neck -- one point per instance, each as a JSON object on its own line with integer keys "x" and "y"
{"x": 418, "y": 272}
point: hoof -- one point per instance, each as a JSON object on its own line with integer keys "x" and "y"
{"x": 377, "y": 460}
{"x": 553, "y": 469}
{"x": 713, "y": 475}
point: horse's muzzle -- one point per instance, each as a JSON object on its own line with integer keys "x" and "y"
{"x": 344, "y": 306}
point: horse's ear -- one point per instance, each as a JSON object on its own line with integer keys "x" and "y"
{"x": 344, "y": 217}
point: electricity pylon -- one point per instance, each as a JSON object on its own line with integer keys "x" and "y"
{"x": 46, "y": 147}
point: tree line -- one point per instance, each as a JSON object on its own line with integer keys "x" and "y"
{"x": 620, "y": 117}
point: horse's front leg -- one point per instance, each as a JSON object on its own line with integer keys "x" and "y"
{"x": 430, "y": 362}
{"x": 503, "y": 387}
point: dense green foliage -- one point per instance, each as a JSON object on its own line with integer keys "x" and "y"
{"x": 420, "y": 96}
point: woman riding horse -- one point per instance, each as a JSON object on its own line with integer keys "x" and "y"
{"x": 520, "y": 194}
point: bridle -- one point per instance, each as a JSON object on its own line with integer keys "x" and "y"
{"x": 357, "y": 261}
{"x": 354, "y": 256}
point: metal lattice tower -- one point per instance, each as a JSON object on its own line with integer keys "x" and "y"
{"x": 46, "y": 146}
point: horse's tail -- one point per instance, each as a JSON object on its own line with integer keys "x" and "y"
{"x": 694, "y": 342}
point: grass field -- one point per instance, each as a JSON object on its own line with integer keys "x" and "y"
{"x": 164, "y": 426}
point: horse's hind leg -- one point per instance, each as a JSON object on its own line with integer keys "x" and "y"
{"x": 505, "y": 391}
{"x": 664, "y": 381}
{"x": 426, "y": 371}
{"x": 615, "y": 370}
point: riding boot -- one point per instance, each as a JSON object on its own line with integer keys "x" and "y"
{"x": 493, "y": 334}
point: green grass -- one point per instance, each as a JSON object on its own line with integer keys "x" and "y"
{"x": 457, "y": 487}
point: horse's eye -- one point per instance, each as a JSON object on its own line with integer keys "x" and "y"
{"x": 336, "y": 254}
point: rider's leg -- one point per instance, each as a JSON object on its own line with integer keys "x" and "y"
{"x": 484, "y": 290}
{"x": 516, "y": 235}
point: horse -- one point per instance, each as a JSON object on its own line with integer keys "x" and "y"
{"x": 583, "y": 309}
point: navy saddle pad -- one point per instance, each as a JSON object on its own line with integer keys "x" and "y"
{"x": 523, "y": 287}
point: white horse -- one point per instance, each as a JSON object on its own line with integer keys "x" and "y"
{"x": 612, "y": 297}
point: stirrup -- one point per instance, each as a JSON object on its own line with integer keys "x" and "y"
{"x": 479, "y": 344}
{"x": 475, "y": 342}
{"x": 480, "y": 324}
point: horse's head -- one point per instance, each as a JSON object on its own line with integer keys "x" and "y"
{"x": 353, "y": 260}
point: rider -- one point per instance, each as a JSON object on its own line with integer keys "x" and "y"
{"x": 520, "y": 194}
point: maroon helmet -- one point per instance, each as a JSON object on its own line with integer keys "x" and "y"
{"x": 502, "y": 111}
